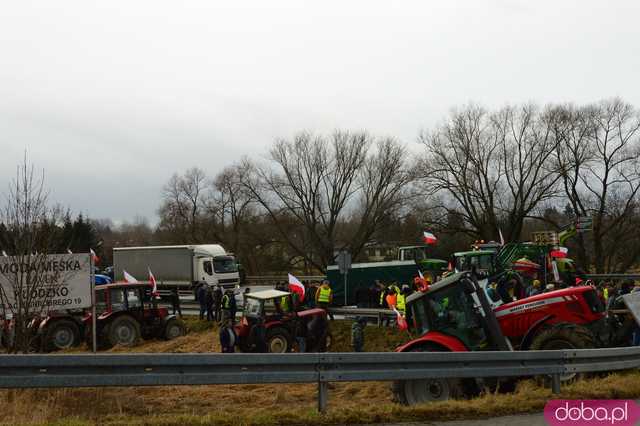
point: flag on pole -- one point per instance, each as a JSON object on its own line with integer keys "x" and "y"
{"x": 501, "y": 237}
{"x": 296, "y": 287}
{"x": 560, "y": 252}
{"x": 4, "y": 253}
{"x": 128, "y": 278}
{"x": 429, "y": 238}
{"x": 154, "y": 284}
{"x": 94, "y": 256}
{"x": 400, "y": 320}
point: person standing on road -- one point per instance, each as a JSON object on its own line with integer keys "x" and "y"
{"x": 217, "y": 303}
{"x": 175, "y": 302}
{"x": 357, "y": 334}
{"x": 324, "y": 297}
{"x": 300, "y": 334}
{"x": 227, "y": 338}
{"x": 210, "y": 314}
{"x": 201, "y": 295}
{"x": 229, "y": 306}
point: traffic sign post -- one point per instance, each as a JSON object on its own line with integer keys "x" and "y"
{"x": 344, "y": 264}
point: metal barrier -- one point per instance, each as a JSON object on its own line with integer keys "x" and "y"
{"x": 88, "y": 370}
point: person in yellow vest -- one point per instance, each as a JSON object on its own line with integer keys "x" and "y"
{"x": 324, "y": 296}
{"x": 401, "y": 300}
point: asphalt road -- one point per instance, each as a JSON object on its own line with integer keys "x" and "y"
{"x": 519, "y": 420}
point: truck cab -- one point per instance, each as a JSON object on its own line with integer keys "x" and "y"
{"x": 429, "y": 267}
{"x": 215, "y": 266}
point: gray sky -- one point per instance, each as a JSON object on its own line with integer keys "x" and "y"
{"x": 112, "y": 97}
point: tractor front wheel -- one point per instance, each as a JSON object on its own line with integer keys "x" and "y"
{"x": 411, "y": 392}
{"x": 174, "y": 329}
{"x": 124, "y": 331}
{"x": 278, "y": 340}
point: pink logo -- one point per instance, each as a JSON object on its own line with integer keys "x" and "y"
{"x": 617, "y": 412}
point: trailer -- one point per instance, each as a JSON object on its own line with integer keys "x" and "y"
{"x": 182, "y": 266}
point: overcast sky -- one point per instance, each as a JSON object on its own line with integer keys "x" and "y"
{"x": 112, "y": 97}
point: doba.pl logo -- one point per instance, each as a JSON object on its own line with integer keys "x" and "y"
{"x": 618, "y": 412}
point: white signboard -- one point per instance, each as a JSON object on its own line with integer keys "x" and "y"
{"x": 64, "y": 282}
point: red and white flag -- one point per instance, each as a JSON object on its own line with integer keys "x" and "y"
{"x": 429, "y": 238}
{"x": 128, "y": 278}
{"x": 94, "y": 256}
{"x": 154, "y": 284}
{"x": 401, "y": 320}
{"x": 296, "y": 287}
{"x": 560, "y": 252}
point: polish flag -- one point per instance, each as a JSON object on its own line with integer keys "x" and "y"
{"x": 154, "y": 289}
{"x": 429, "y": 238}
{"x": 296, "y": 287}
{"x": 401, "y": 321}
{"x": 560, "y": 252}
{"x": 128, "y": 278}
{"x": 94, "y": 256}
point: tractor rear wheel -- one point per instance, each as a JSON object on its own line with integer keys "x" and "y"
{"x": 411, "y": 392}
{"x": 62, "y": 334}
{"x": 278, "y": 340}
{"x": 174, "y": 329}
{"x": 564, "y": 336}
{"x": 124, "y": 331}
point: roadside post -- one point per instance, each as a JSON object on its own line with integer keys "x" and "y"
{"x": 94, "y": 343}
{"x": 344, "y": 264}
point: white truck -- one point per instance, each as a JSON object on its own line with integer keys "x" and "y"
{"x": 178, "y": 266}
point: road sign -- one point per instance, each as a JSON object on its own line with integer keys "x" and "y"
{"x": 584, "y": 223}
{"x": 546, "y": 238}
{"x": 344, "y": 261}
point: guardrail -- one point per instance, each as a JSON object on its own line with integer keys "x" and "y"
{"x": 88, "y": 370}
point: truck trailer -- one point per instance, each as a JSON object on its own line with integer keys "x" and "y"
{"x": 180, "y": 266}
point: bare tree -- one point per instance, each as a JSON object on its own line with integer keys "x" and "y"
{"x": 183, "y": 205}
{"x": 599, "y": 155}
{"x": 320, "y": 183}
{"x": 25, "y": 277}
{"x": 492, "y": 170}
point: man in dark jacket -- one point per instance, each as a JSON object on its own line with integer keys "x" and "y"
{"x": 217, "y": 303}
{"x": 210, "y": 315}
{"x": 201, "y": 296}
{"x": 227, "y": 337}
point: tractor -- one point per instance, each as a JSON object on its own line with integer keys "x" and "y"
{"x": 274, "y": 310}
{"x": 456, "y": 315}
{"x": 125, "y": 313}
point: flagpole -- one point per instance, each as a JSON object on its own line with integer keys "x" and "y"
{"x": 94, "y": 333}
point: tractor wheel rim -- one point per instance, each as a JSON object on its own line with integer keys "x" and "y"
{"x": 125, "y": 334}
{"x": 277, "y": 345}
{"x": 63, "y": 338}
{"x": 174, "y": 331}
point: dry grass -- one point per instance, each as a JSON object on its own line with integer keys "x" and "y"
{"x": 234, "y": 405}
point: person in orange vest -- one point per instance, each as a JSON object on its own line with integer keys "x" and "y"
{"x": 391, "y": 298}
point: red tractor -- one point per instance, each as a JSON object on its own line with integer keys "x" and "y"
{"x": 125, "y": 313}
{"x": 455, "y": 315}
{"x": 274, "y": 310}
